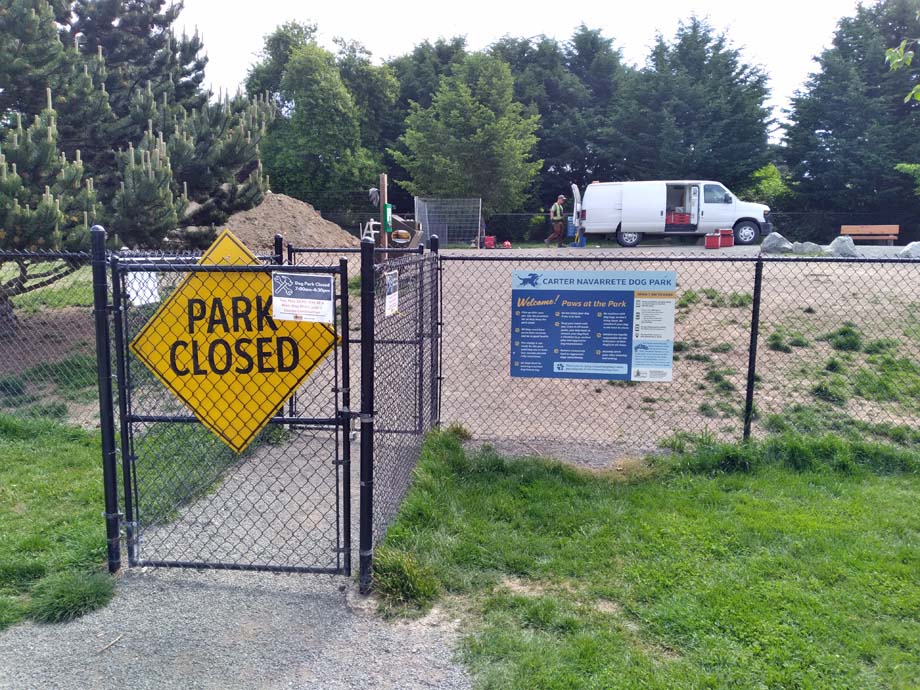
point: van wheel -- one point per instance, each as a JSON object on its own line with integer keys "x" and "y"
{"x": 628, "y": 239}
{"x": 746, "y": 232}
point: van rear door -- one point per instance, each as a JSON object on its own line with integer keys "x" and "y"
{"x": 576, "y": 210}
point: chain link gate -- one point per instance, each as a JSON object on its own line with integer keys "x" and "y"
{"x": 283, "y": 504}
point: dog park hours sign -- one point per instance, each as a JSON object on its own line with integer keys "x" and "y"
{"x": 615, "y": 325}
{"x": 217, "y": 346}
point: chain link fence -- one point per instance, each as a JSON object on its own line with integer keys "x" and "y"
{"x": 47, "y": 337}
{"x": 453, "y": 221}
{"x": 838, "y": 349}
{"x": 405, "y": 374}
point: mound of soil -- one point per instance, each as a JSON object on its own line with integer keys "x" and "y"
{"x": 297, "y": 221}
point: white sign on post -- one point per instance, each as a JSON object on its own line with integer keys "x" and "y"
{"x": 391, "y": 306}
{"x": 303, "y": 297}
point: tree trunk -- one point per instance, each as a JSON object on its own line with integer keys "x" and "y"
{"x": 9, "y": 324}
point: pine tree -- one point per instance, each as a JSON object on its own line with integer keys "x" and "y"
{"x": 46, "y": 203}
{"x": 851, "y": 126}
{"x": 32, "y": 57}
{"x": 474, "y": 140}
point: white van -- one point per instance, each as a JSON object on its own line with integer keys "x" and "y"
{"x": 631, "y": 210}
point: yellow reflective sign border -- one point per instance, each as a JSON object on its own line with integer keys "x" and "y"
{"x": 217, "y": 254}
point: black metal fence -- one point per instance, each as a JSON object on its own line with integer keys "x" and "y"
{"x": 761, "y": 345}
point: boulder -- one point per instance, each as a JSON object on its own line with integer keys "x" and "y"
{"x": 911, "y": 251}
{"x": 842, "y": 246}
{"x": 774, "y": 243}
{"x": 806, "y": 248}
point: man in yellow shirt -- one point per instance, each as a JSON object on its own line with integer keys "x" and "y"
{"x": 557, "y": 218}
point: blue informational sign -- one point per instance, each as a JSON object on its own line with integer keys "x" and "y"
{"x": 616, "y": 325}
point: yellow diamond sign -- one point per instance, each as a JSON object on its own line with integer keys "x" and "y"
{"x": 214, "y": 344}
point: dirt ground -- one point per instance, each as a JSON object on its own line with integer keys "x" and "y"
{"x": 297, "y": 221}
{"x": 596, "y": 422}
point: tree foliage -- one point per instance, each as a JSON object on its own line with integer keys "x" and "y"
{"x": 121, "y": 131}
{"x": 850, "y": 126}
{"x": 473, "y": 141}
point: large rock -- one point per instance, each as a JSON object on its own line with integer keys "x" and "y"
{"x": 911, "y": 251}
{"x": 806, "y": 248}
{"x": 774, "y": 243}
{"x": 843, "y": 246}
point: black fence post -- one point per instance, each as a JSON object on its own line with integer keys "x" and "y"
{"x": 106, "y": 412}
{"x": 127, "y": 461}
{"x": 420, "y": 336}
{"x": 435, "y": 329}
{"x": 346, "y": 409}
{"x": 279, "y": 250}
{"x": 752, "y": 349}
{"x": 366, "y": 532}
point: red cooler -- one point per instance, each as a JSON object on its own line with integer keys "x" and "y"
{"x": 713, "y": 240}
{"x": 727, "y": 238}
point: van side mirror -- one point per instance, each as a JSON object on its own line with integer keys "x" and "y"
{"x": 727, "y": 199}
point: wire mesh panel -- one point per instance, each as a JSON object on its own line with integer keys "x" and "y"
{"x": 47, "y": 341}
{"x": 834, "y": 337}
{"x": 454, "y": 221}
{"x": 192, "y": 500}
{"x": 405, "y": 361}
{"x": 840, "y": 348}
{"x": 712, "y": 322}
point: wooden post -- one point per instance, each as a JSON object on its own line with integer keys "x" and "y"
{"x": 384, "y": 240}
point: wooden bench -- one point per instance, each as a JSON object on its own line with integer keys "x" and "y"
{"x": 881, "y": 233}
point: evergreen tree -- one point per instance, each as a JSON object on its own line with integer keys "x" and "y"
{"x": 473, "y": 141}
{"x": 373, "y": 88}
{"x": 851, "y": 125}
{"x": 264, "y": 77}
{"x": 32, "y": 57}
{"x": 46, "y": 203}
{"x": 318, "y": 147}
{"x": 696, "y": 110}
{"x": 137, "y": 41}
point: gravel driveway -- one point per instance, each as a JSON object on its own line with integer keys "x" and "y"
{"x": 220, "y": 629}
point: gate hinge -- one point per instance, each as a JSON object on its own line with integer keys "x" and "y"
{"x": 108, "y": 516}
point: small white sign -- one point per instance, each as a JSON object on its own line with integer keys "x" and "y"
{"x": 391, "y": 306}
{"x": 303, "y": 297}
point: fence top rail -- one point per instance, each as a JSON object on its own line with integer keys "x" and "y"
{"x": 132, "y": 266}
{"x": 354, "y": 250}
{"x": 687, "y": 259}
{"x": 12, "y": 255}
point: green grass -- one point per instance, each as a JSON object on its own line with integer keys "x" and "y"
{"x": 782, "y": 340}
{"x": 822, "y": 419}
{"x": 847, "y": 338}
{"x": 790, "y": 563}
{"x": 52, "y": 539}
{"x": 889, "y": 379}
{"x": 75, "y": 290}
{"x": 688, "y": 298}
{"x": 354, "y": 286}
{"x": 833, "y": 390}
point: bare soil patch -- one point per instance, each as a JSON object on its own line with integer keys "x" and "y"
{"x": 297, "y": 221}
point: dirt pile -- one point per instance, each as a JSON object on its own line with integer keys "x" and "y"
{"x": 297, "y": 221}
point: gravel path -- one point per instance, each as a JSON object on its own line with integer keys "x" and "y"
{"x": 218, "y": 629}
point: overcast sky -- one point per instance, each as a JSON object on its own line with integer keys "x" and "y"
{"x": 783, "y": 35}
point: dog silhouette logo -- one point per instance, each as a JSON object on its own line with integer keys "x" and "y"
{"x": 529, "y": 280}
